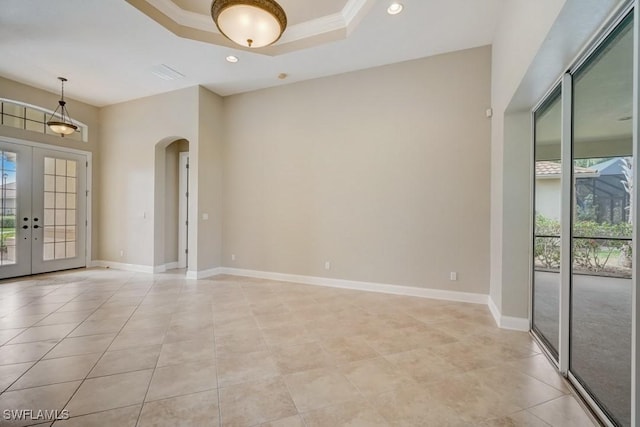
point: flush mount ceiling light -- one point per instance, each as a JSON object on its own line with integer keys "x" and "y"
{"x": 249, "y": 23}
{"x": 395, "y": 8}
{"x": 61, "y": 123}
{"x": 232, "y": 59}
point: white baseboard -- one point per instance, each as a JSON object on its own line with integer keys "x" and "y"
{"x": 507, "y": 322}
{"x": 138, "y": 268}
{"x": 202, "y": 274}
{"x": 126, "y": 267}
{"x": 361, "y": 286}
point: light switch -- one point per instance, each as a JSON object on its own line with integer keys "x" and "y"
{"x": 205, "y": 216}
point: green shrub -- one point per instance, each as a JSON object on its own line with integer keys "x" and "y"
{"x": 7, "y": 221}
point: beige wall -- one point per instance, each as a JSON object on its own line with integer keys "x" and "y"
{"x": 208, "y": 164}
{"x": 383, "y": 172}
{"x": 133, "y": 138}
{"x": 84, "y": 113}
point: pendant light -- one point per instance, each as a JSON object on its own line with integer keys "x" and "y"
{"x": 249, "y": 23}
{"x": 62, "y": 123}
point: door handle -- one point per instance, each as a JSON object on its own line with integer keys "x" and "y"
{"x": 36, "y": 226}
{"x": 24, "y": 227}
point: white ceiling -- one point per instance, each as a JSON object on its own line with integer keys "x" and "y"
{"x": 107, "y": 48}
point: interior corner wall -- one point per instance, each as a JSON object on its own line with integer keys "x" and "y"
{"x": 533, "y": 45}
{"x": 84, "y": 113}
{"x": 129, "y": 135}
{"x": 208, "y": 164}
{"x": 383, "y": 173}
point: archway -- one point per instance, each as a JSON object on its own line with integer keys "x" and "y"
{"x": 170, "y": 204}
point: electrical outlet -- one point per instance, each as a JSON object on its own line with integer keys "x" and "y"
{"x": 121, "y": 253}
{"x": 453, "y": 276}
{"x": 233, "y": 257}
{"x": 327, "y": 265}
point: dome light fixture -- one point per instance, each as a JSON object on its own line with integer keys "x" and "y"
{"x": 249, "y": 23}
{"x": 61, "y": 123}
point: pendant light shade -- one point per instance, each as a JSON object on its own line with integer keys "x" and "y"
{"x": 249, "y": 23}
{"x": 61, "y": 123}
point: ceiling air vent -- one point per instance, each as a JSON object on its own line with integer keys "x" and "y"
{"x": 166, "y": 73}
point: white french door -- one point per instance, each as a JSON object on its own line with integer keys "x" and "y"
{"x": 43, "y": 209}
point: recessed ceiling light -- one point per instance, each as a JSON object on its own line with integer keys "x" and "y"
{"x": 232, "y": 59}
{"x": 395, "y": 8}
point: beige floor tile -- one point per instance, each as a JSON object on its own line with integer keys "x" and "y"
{"x": 243, "y": 368}
{"x": 353, "y": 414}
{"x": 345, "y": 350}
{"x": 176, "y": 380}
{"x": 319, "y": 388}
{"x": 423, "y": 365}
{"x": 120, "y": 417}
{"x": 255, "y": 402}
{"x": 539, "y": 367}
{"x": 181, "y": 333}
{"x": 192, "y": 410}
{"x": 10, "y": 373}
{"x": 44, "y": 333}
{"x": 295, "y": 421}
{"x": 98, "y": 327}
{"x": 519, "y": 419}
{"x": 53, "y": 371}
{"x": 114, "y": 391}
{"x": 302, "y": 357}
{"x": 520, "y": 389}
{"x": 50, "y": 397}
{"x": 562, "y": 412}
{"x": 413, "y": 406}
{"x": 374, "y": 376}
{"x": 185, "y": 351}
{"x": 245, "y": 341}
{"x": 28, "y": 352}
{"x": 58, "y": 317}
{"x": 81, "y": 345}
{"x": 287, "y": 335}
{"x": 137, "y": 338}
{"x": 472, "y": 399}
{"x": 15, "y": 321}
{"x": 128, "y": 360}
{"x": 8, "y": 334}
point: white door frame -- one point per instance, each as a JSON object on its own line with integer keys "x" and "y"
{"x": 183, "y": 210}
{"x": 89, "y": 155}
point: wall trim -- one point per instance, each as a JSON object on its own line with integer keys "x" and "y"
{"x": 361, "y": 286}
{"x": 507, "y": 322}
{"x": 202, "y": 274}
{"x": 138, "y": 268}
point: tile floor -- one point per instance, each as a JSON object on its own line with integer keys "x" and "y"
{"x": 124, "y": 349}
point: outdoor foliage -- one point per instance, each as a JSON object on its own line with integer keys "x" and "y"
{"x": 8, "y": 221}
{"x": 593, "y": 246}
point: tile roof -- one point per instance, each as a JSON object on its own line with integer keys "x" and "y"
{"x": 545, "y": 168}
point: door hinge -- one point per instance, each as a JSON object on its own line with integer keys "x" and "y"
{"x": 87, "y": 164}
{"x": 86, "y": 222}
{"x": 186, "y": 223}
{"x": 186, "y": 194}
{"x": 86, "y": 193}
{"x": 186, "y": 251}
{"x": 187, "y": 166}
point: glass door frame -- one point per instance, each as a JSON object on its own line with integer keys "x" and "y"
{"x": 89, "y": 185}
{"x": 567, "y": 191}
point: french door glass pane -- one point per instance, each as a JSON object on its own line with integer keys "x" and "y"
{"x": 546, "y": 265}
{"x": 8, "y": 192}
{"x": 601, "y": 286}
{"x": 60, "y": 197}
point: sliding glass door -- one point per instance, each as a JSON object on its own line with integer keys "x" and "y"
{"x": 601, "y": 285}
{"x": 546, "y": 239}
{"x": 583, "y": 227}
